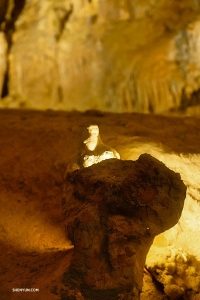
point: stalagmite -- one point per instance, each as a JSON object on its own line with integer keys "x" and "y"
{"x": 92, "y": 151}
{"x": 112, "y": 211}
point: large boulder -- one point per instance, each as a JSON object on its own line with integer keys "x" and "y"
{"x": 112, "y": 211}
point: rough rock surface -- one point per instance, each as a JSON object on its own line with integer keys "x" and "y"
{"x": 176, "y": 270}
{"x": 35, "y": 149}
{"x": 113, "y": 211}
{"x": 120, "y": 56}
{"x": 151, "y": 290}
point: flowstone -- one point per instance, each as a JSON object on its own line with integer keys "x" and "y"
{"x": 112, "y": 211}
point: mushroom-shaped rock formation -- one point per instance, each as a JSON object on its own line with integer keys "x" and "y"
{"x": 112, "y": 211}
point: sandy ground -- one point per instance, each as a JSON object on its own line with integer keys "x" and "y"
{"x": 35, "y": 149}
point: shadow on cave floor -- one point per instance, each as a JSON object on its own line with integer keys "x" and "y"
{"x": 22, "y": 269}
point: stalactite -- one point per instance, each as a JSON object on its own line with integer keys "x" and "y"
{"x": 82, "y": 57}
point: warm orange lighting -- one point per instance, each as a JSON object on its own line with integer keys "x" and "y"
{"x": 28, "y": 228}
{"x": 188, "y": 165}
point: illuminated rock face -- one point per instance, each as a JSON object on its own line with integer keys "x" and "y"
{"x": 114, "y": 56}
{"x": 113, "y": 210}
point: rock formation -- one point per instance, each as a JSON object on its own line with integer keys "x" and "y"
{"x": 120, "y": 56}
{"x": 176, "y": 270}
{"x": 112, "y": 211}
{"x": 94, "y": 150}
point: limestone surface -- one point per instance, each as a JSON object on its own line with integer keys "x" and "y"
{"x": 119, "y": 56}
{"x": 112, "y": 211}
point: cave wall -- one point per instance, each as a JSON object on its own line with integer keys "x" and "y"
{"x": 3, "y": 60}
{"x": 121, "y": 56}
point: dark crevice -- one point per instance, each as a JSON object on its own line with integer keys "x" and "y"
{"x": 10, "y": 24}
{"x": 159, "y": 286}
{"x": 193, "y": 100}
{"x": 63, "y": 16}
{"x": 151, "y": 109}
{"x": 9, "y": 28}
{"x": 4, "y": 92}
{"x": 3, "y": 10}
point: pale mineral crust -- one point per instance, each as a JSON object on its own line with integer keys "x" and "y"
{"x": 112, "y": 211}
{"x": 177, "y": 271}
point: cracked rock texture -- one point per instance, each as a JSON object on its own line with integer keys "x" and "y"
{"x": 113, "y": 210}
{"x": 120, "y": 56}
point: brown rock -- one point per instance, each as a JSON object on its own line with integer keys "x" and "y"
{"x": 113, "y": 211}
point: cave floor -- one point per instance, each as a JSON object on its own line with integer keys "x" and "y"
{"x": 35, "y": 149}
